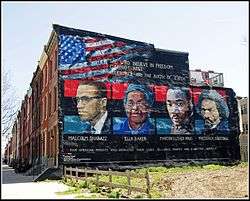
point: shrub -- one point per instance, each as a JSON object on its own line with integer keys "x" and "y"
{"x": 114, "y": 194}
{"x": 94, "y": 189}
{"x": 83, "y": 184}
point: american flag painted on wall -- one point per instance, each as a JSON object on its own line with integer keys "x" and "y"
{"x": 84, "y": 57}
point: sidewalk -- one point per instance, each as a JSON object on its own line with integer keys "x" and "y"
{"x": 9, "y": 176}
{"x": 18, "y": 186}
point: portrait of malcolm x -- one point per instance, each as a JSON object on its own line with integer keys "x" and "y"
{"x": 91, "y": 104}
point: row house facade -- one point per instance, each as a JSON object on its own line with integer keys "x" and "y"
{"x": 34, "y": 138}
{"x": 14, "y": 140}
{"x": 8, "y": 153}
{"x": 48, "y": 103}
{"x": 244, "y": 126}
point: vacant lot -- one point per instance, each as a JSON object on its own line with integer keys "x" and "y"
{"x": 208, "y": 181}
{"x": 224, "y": 182}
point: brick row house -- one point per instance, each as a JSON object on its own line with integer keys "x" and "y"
{"x": 34, "y": 140}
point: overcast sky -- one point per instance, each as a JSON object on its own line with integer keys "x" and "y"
{"x": 215, "y": 34}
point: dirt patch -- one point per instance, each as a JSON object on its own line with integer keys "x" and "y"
{"x": 229, "y": 182}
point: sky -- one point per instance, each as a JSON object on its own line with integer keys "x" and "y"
{"x": 215, "y": 34}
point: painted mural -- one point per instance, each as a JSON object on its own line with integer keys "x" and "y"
{"x": 125, "y": 101}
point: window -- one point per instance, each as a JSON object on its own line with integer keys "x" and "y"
{"x": 38, "y": 116}
{"x": 243, "y": 109}
{"x": 45, "y": 108}
{"x": 51, "y": 138}
{"x": 37, "y": 91}
{"x": 55, "y": 60}
{"x": 45, "y": 75}
{"x": 55, "y": 98}
{"x": 55, "y": 140}
{"x": 41, "y": 110}
{"x": 41, "y": 85}
{"x": 50, "y": 69}
{"x": 43, "y": 143}
{"x": 33, "y": 98}
{"x": 49, "y": 104}
{"x": 48, "y": 144}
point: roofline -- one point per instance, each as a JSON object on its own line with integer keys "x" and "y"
{"x": 171, "y": 51}
{"x": 63, "y": 29}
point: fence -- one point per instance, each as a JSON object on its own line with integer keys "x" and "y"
{"x": 82, "y": 174}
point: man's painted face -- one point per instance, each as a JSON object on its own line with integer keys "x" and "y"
{"x": 210, "y": 112}
{"x": 136, "y": 107}
{"x": 88, "y": 102}
{"x": 177, "y": 106}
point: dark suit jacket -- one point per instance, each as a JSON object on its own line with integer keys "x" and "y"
{"x": 74, "y": 125}
{"x": 221, "y": 128}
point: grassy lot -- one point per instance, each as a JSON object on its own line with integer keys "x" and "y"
{"x": 166, "y": 181}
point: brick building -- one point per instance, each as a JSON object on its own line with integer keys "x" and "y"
{"x": 34, "y": 139}
{"x": 243, "y": 112}
{"x": 244, "y": 126}
{"x": 37, "y": 133}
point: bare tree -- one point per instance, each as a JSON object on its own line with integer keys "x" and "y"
{"x": 8, "y": 105}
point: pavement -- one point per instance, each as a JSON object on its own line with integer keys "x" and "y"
{"x": 9, "y": 176}
{"x": 17, "y": 186}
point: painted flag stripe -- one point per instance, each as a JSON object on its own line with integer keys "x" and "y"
{"x": 90, "y": 68}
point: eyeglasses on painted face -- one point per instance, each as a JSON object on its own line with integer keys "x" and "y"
{"x": 86, "y": 98}
{"x": 140, "y": 105}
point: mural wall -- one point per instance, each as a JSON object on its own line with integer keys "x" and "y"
{"x": 125, "y": 101}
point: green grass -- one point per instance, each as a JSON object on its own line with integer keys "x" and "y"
{"x": 92, "y": 195}
{"x": 243, "y": 164}
{"x": 213, "y": 167}
{"x": 155, "y": 173}
{"x": 69, "y": 191}
{"x": 116, "y": 193}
